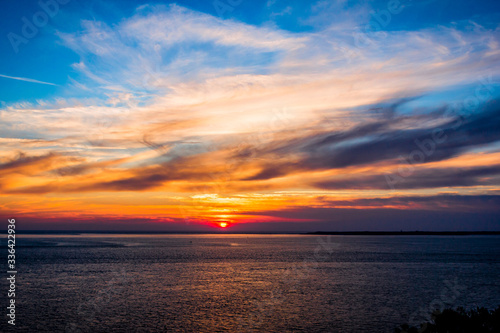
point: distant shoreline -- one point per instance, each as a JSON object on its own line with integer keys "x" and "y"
{"x": 339, "y": 233}
{"x": 406, "y": 233}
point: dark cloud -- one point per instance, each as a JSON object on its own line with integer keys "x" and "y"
{"x": 433, "y": 213}
{"x": 335, "y": 219}
{"x": 136, "y": 183}
{"x": 75, "y": 170}
{"x": 23, "y": 162}
{"x": 270, "y": 173}
{"x": 97, "y": 223}
{"x": 144, "y": 178}
{"x": 442, "y": 202}
{"x": 383, "y": 141}
{"x": 418, "y": 179}
{"x": 436, "y": 202}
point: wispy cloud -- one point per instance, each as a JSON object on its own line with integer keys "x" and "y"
{"x": 27, "y": 80}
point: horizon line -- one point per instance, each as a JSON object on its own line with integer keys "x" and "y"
{"x": 346, "y": 233}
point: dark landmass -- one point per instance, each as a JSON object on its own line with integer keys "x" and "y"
{"x": 478, "y": 320}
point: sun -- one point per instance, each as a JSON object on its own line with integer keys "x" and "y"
{"x": 223, "y": 224}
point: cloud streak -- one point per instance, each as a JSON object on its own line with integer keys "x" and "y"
{"x": 27, "y": 80}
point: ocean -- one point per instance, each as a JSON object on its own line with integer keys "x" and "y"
{"x": 246, "y": 283}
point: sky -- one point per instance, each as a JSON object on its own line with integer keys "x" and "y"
{"x": 250, "y": 116}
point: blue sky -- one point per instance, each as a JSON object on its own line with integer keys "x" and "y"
{"x": 45, "y": 58}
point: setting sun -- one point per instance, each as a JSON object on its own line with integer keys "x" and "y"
{"x": 223, "y": 224}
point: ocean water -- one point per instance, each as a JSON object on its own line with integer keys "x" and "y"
{"x": 246, "y": 283}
